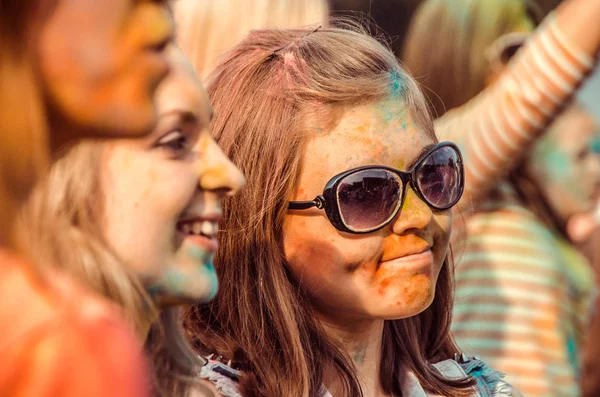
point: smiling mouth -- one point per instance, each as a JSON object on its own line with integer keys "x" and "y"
{"x": 199, "y": 231}
{"x": 198, "y": 228}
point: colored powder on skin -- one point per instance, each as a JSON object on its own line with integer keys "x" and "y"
{"x": 174, "y": 281}
{"x": 387, "y": 113}
{"x": 197, "y": 253}
{"x": 394, "y": 109}
{"x": 595, "y": 145}
{"x": 210, "y": 269}
{"x": 572, "y": 352}
{"x": 555, "y": 161}
{"x": 204, "y": 268}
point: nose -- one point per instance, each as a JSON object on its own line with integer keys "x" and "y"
{"x": 414, "y": 214}
{"x": 218, "y": 173}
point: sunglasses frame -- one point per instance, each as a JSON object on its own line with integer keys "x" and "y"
{"x": 328, "y": 199}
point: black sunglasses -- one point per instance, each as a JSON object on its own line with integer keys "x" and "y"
{"x": 365, "y": 199}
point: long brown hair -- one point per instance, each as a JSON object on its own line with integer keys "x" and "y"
{"x": 62, "y": 222}
{"x": 265, "y": 95}
{"x": 23, "y": 129}
{"x": 446, "y": 45}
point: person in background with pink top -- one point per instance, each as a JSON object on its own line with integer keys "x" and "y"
{"x": 58, "y": 339}
{"x": 522, "y": 290}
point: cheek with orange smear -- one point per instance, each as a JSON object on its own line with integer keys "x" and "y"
{"x": 404, "y": 289}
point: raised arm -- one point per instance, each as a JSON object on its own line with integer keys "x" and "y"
{"x": 494, "y": 130}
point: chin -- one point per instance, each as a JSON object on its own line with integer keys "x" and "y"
{"x": 397, "y": 308}
{"x": 166, "y": 299}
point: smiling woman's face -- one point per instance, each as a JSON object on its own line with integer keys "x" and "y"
{"x": 387, "y": 274}
{"x": 163, "y": 193}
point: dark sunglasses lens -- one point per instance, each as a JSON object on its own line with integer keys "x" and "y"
{"x": 368, "y": 198}
{"x": 440, "y": 177}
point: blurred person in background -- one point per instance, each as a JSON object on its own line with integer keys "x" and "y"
{"x": 584, "y": 230}
{"x": 207, "y": 29}
{"x": 523, "y": 291}
{"x": 391, "y": 18}
{"x": 56, "y": 338}
{"x": 135, "y": 220}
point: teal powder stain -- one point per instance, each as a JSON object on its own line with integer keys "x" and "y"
{"x": 557, "y": 162}
{"x": 175, "y": 281}
{"x": 397, "y": 84}
{"x": 386, "y": 112}
{"x": 403, "y": 125}
{"x": 197, "y": 253}
{"x": 595, "y": 145}
{"x": 572, "y": 353}
{"x": 214, "y": 281}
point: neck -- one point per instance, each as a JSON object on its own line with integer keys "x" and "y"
{"x": 362, "y": 342}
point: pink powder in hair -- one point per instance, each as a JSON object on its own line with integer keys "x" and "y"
{"x": 289, "y": 60}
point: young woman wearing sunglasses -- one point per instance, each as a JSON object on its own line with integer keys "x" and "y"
{"x": 335, "y": 269}
{"x": 517, "y": 255}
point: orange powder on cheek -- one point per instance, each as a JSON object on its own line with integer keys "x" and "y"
{"x": 413, "y": 290}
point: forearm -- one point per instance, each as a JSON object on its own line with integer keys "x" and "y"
{"x": 496, "y": 129}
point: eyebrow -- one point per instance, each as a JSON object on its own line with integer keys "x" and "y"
{"x": 425, "y": 149}
{"x": 185, "y": 116}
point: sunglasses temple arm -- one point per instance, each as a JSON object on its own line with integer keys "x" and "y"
{"x": 304, "y": 205}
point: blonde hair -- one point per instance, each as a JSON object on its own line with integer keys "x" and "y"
{"x": 61, "y": 221}
{"x": 268, "y": 95}
{"x": 447, "y": 40}
{"x": 206, "y": 29}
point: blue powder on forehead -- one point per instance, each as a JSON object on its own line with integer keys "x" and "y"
{"x": 397, "y": 84}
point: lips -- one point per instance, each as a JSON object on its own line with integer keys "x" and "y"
{"x": 422, "y": 259}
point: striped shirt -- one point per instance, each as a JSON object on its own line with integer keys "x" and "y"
{"x": 495, "y": 129}
{"x": 522, "y": 293}
{"x": 522, "y": 298}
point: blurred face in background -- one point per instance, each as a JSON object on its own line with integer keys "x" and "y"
{"x": 565, "y": 163}
{"x": 100, "y": 63}
{"x": 73, "y": 68}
